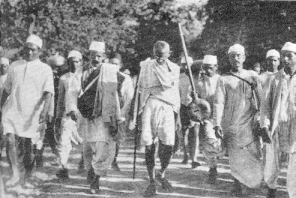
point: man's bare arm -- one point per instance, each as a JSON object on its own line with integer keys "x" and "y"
{"x": 47, "y": 99}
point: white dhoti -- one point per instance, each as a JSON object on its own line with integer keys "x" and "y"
{"x": 245, "y": 164}
{"x": 291, "y": 175}
{"x": 158, "y": 121}
{"x": 272, "y": 166}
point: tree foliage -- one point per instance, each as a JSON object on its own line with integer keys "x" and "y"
{"x": 64, "y": 26}
{"x": 131, "y": 27}
{"x": 128, "y": 27}
{"x": 258, "y": 26}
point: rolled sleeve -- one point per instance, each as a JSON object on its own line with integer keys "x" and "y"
{"x": 48, "y": 85}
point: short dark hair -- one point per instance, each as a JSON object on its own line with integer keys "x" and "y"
{"x": 159, "y": 46}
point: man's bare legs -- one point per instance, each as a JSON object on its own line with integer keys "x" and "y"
{"x": 12, "y": 152}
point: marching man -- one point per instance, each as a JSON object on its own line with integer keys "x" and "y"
{"x": 234, "y": 114}
{"x": 102, "y": 121}
{"x": 206, "y": 89}
{"x": 68, "y": 116}
{"x": 158, "y": 88}
{"x": 278, "y": 115}
{"x": 29, "y": 86}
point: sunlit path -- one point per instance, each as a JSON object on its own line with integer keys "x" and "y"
{"x": 187, "y": 182}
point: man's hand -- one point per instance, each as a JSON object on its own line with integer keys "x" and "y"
{"x": 193, "y": 95}
{"x": 265, "y": 135}
{"x": 131, "y": 125}
{"x": 218, "y": 132}
{"x": 42, "y": 117}
{"x": 178, "y": 126}
{"x": 49, "y": 118}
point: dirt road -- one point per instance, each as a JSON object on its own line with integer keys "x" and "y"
{"x": 187, "y": 182}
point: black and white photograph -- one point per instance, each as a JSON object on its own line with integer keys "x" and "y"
{"x": 147, "y": 98}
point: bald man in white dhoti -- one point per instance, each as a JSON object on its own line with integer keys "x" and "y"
{"x": 29, "y": 86}
{"x": 234, "y": 114}
{"x": 158, "y": 105}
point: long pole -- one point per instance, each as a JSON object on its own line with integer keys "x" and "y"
{"x": 186, "y": 59}
{"x": 137, "y": 95}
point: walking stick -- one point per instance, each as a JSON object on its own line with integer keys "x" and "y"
{"x": 136, "y": 120}
{"x": 136, "y": 138}
{"x": 186, "y": 59}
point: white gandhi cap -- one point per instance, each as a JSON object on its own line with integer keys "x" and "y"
{"x": 4, "y": 61}
{"x": 190, "y": 60}
{"x": 35, "y": 40}
{"x": 210, "y": 59}
{"x": 237, "y": 48}
{"x": 273, "y": 52}
{"x": 75, "y": 54}
{"x": 289, "y": 47}
{"x": 97, "y": 46}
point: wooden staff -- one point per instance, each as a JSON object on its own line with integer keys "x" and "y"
{"x": 186, "y": 59}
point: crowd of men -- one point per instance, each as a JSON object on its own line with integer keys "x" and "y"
{"x": 248, "y": 116}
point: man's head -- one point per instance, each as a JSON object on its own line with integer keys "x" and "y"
{"x": 57, "y": 64}
{"x": 197, "y": 69}
{"x": 4, "y": 63}
{"x": 257, "y": 67}
{"x": 199, "y": 110}
{"x": 272, "y": 60}
{"x": 183, "y": 63}
{"x": 288, "y": 57}
{"x": 210, "y": 65}
{"x": 74, "y": 60}
{"x": 115, "y": 59}
{"x": 97, "y": 52}
{"x": 161, "y": 51}
{"x": 32, "y": 48}
{"x": 236, "y": 56}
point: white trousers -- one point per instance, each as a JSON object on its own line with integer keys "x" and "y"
{"x": 272, "y": 169}
{"x": 99, "y": 155}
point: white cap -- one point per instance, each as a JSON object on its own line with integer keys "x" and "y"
{"x": 190, "y": 60}
{"x": 97, "y": 46}
{"x": 289, "y": 47}
{"x": 35, "y": 40}
{"x": 75, "y": 53}
{"x": 237, "y": 48}
{"x": 4, "y": 61}
{"x": 273, "y": 52}
{"x": 210, "y": 59}
{"x": 56, "y": 60}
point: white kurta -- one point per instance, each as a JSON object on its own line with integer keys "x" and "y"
{"x": 279, "y": 115}
{"x": 206, "y": 89}
{"x": 69, "y": 90}
{"x": 26, "y": 84}
{"x": 235, "y": 111}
